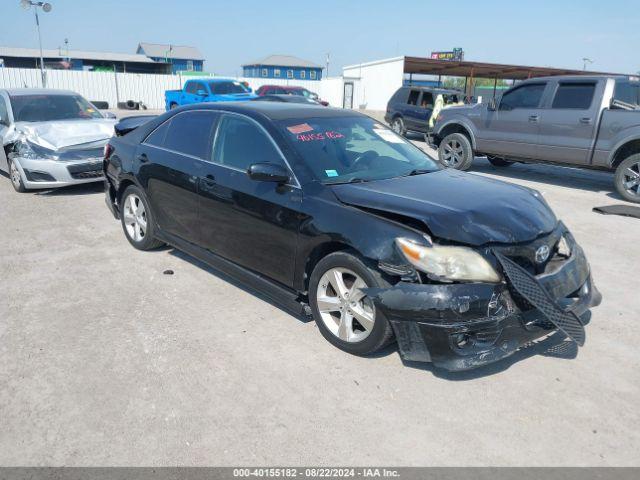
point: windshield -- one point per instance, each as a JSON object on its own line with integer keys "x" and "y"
{"x": 44, "y": 108}
{"x": 224, "y": 88}
{"x": 303, "y": 92}
{"x": 351, "y": 149}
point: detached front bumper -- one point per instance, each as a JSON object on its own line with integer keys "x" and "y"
{"x": 463, "y": 326}
{"x": 44, "y": 173}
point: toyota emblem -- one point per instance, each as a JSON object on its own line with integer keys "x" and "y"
{"x": 542, "y": 253}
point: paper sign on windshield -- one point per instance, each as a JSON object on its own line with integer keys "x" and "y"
{"x": 387, "y": 135}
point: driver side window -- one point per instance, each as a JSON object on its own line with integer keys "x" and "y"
{"x": 240, "y": 143}
{"x": 526, "y": 96}
{"x": 4, "y": 114}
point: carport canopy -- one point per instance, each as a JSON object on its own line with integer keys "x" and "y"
{"x": 429, "y": 66}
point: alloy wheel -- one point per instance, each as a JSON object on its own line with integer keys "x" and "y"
{"x": 15, "y": 175}
{"x": 396, "y": 126}
{"x": 135, "y": 218}
{"x": 345, "y": 310}
{"x": 453, "y": 154}
{"x": 631, "y": 179}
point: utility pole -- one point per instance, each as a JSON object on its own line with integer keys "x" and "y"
{"x": 586, "y": 60}
{"x": 46, "y": 8}
{"x": 327, "y": 69}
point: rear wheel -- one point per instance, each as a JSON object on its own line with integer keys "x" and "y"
{"x": 397, "y": 125}
{"x": 627, "y": 178}
{"x": 16, "y": 178}
{"x": 498, "y": 162}
{"x": 455, "y": 152}
{"x": 345, "y": 315}
{"x": 137, "y": 220}
{"x": 173, "y": 106}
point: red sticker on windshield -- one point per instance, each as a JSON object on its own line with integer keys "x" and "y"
{"x": 302, "y": 128}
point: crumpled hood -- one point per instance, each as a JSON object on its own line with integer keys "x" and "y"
{"x": 458, "y": 206}
{"x": 55, "y": 135}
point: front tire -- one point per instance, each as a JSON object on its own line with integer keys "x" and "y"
{"x": 16, "y": 178}
{"x": 455, "y": 152}
{"x": 498, "y": 162}
{"x": 627, "y": 178}
{"x": 345, "y": 316}
{"x": 397, "y": 125}
{"x": 137, "y": 219}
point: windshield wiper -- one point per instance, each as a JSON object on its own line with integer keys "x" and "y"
{"x": 353, "y": 180}
{"x": 417, "y": 171}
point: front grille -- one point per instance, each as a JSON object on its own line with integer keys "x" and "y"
{"x": 85, "y": 170}
{"x": 89, "y": 174}
{"x": 526, "y": 285}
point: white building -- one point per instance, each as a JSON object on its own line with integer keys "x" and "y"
{"x": 372, "y": 83}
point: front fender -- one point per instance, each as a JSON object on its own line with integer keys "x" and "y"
{"x": 459, "y": 121}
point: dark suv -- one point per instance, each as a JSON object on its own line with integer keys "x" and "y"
{"x": 411, "y": 108}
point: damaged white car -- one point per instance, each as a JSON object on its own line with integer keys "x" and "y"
{"x": 51, "y": 138}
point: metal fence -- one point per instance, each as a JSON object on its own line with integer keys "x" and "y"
{"x": 149, "y": 89}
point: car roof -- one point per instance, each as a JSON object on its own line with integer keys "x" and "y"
{"x": 16, "y": 92}
{"x": 275, "y": 110}
{"x": 575, "y": 78}
{"x": 284, "y": 87}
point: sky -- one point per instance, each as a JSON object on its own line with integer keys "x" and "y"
{"x": 232, "y": 32}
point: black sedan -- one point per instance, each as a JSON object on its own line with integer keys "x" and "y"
{"x": 330, "y": 212}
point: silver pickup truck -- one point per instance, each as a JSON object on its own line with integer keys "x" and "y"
{"x": 579, "y": 121}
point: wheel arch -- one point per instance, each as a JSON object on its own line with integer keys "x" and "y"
{"x": 625, "y": 150}
{"x": 456, "y": 127}
{"x": 318, "y": 253}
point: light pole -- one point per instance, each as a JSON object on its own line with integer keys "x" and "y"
{"x": 586, "y": 60}
{"x": 46, "y": 8}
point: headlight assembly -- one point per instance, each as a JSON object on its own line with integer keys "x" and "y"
{"x": 26, "y": 149}
{"x": 448, "y": 263}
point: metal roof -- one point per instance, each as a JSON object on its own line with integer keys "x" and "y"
{"x": 428, "y": 66}
{"x": 79, "y": 54}
{"x": 159, "y": 50}
{"x": 283, "y": 61}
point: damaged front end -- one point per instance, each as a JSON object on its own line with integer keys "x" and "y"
{"x": 545, "y": 286}
{"x": 49, "y": 155}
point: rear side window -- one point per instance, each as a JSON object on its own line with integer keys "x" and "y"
{"x": 628, "y": 92}
{"x": 574, "y": 95}
{"x": 413, "y": 97}
{"x": 526, "y": 96}
{"x": 190, "y": 133}
{"x": 156, "y": 137}
{"x": 191, "y": 87}
{"x": 240, "y": 142}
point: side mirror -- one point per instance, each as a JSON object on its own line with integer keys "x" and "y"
{"x": 492, "y": 105}
{"x": 268, "y": 172}
{"x": 202, "y": 93}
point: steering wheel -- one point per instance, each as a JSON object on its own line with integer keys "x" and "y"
{"x": 364, "y": 158}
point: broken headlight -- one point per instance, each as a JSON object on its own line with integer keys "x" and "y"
{"x": 26, "y": 149}
{"x": 448, "y": 263}
{"x": 564, "y": 247}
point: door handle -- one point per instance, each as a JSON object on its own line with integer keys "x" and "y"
{"x": 142, "y": 158}
{"x": 534, "y": 118}
{"x": 585, "y": 121}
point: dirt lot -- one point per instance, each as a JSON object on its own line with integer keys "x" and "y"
{"x": 105, "y": 360}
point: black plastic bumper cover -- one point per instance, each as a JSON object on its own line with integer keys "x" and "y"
{"x": 463, "y": 326}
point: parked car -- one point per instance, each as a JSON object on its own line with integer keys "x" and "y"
{"x": 51, "y": 138}
{"x": 330, "y": 212}
{"x": 290, "y": 90}
{"x": 207, "y": 90}
{"x": 415, "y": 108}
{"x": 578, "y": 121}
{"x": 287, "y": 99}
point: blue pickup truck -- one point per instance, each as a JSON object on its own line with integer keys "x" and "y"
{"x": 207, "y": 90}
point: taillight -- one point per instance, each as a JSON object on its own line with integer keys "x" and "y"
{"x": 108, "y": 150}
